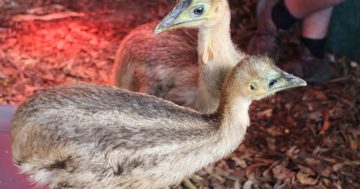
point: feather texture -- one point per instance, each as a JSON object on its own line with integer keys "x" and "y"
{"x": 87, "y": 136}
{"x": 182, "y": 65}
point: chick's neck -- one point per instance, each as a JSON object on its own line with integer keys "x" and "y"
{"x": 232, "y": 119}
{"x": 217, "y": 56}
{"x": 233, "y": 114}
{"x": 215, "y": 44}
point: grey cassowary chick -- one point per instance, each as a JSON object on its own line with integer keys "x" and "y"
{"x": 83, "y": 136}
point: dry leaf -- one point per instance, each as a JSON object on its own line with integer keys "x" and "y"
{"x": 280, "y": 172}
{"x": 307, "y": 170}
{"x": 319, "y": 95}
{"x": 266, "y": 113}
{"x": 354, "y": 142}
{"x": 304, "y": 178}
{"x": 326, "y": 123}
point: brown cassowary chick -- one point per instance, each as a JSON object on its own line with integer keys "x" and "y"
{"x": 85, "y": 136}
{"x": 183, "y": 66}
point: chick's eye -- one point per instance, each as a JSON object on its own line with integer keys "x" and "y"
{"x": 199, "y": 11}
{"x": 252, "y": 87}
{"x": 272, "y": 82}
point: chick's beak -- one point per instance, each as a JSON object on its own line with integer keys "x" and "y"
{"x": 289, "y": 81}
{"x": 170, "y": 20}
{"x": 294, "y": 81}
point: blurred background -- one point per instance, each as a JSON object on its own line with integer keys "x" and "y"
{"x": 302, "y": 138}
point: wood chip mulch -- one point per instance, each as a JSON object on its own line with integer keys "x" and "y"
{"x": 302, "y": 138}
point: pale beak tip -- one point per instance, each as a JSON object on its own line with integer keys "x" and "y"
{"x": 159, "y": 29}
{"x": 302, "y": 82}
{"x": 294, "y": 80}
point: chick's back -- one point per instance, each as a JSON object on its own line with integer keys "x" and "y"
{"x": 100, "y": 117}
{"x": 164, "y": 65}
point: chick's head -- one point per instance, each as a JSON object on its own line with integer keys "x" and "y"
{"x": 256, "y": 77}
{"x": 193, "y": 14}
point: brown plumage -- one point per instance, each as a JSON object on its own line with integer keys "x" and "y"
{"x": 86, "y": 136}
{"x": 161, "y": 65}
{"x": 182, "y": 66}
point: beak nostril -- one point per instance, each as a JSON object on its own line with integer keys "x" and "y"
{"x": 289, "y": 77}
{"x": 272, "y": 83}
